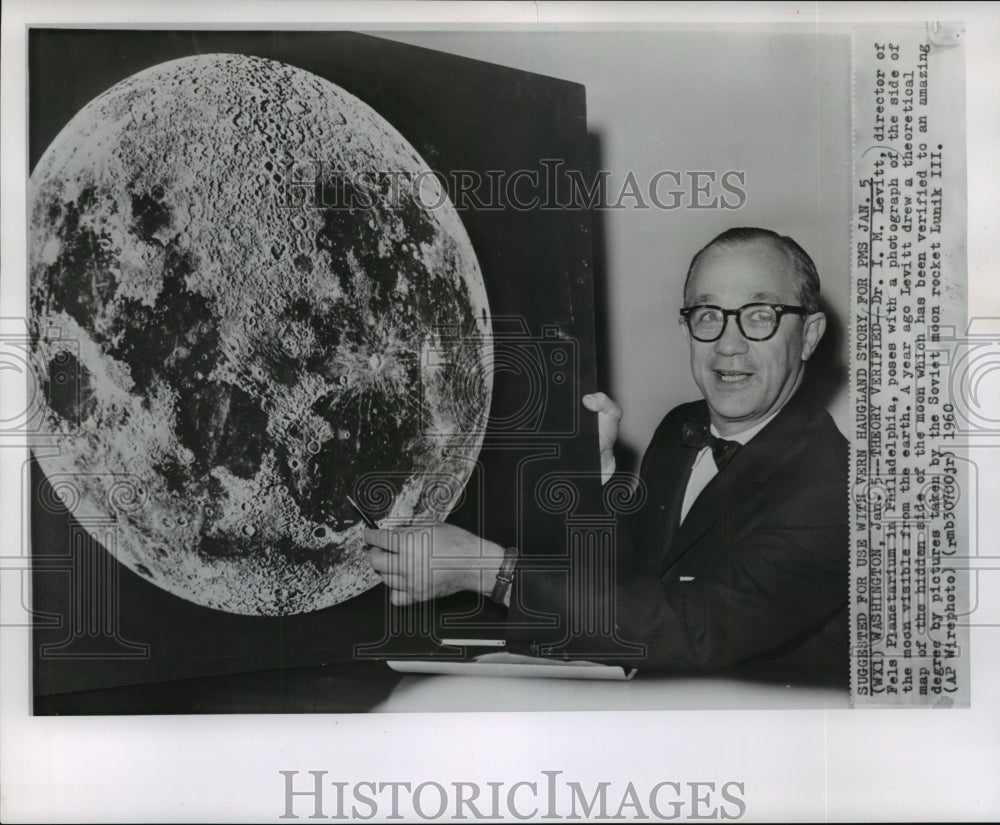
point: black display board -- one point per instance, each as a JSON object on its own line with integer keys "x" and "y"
{"x": 100, "y": 626}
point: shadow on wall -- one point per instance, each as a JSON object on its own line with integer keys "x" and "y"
{"x": 826, "y": 373}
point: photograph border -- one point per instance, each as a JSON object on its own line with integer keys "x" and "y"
{"x": 810, "y": 764}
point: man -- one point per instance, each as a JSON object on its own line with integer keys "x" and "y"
{"x": 739, "y": 553}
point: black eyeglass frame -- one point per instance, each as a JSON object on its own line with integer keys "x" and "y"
{"x": 780, "y": 310}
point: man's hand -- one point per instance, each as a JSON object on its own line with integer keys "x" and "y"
{"x": 428, "y": 561}
{"x": 608, "y": 416}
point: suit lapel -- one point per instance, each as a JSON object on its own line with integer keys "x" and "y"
{"x": 675, "y": 498}
{"x": 665, "y": 469}
{"x": 725, "y": 489}
{"x": 750, "y": 467}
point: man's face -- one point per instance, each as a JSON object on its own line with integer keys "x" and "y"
{"x": 746, "y": 381}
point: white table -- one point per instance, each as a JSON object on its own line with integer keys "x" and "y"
{"x": 645, "y": 692}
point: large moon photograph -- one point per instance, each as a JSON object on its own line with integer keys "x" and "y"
{"x": 263, "y": 317}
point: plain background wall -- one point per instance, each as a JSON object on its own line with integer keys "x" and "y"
{"x": 774, "y": 106}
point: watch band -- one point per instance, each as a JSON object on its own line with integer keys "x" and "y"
{"x": 505, "y": 576}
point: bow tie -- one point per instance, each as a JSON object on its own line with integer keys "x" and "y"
{"x": 696, "y": 434}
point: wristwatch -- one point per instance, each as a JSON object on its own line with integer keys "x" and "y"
{"x": 505, "y": 576}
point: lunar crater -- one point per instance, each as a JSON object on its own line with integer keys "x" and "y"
{"x": 250, "y": 358}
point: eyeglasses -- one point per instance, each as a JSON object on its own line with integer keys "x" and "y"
{"x": 757, "y": 322}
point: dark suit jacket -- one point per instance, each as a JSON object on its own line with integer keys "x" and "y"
{"x": 763, "y": 553}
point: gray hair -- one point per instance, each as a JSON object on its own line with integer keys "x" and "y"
{"x": 805, "y": 269}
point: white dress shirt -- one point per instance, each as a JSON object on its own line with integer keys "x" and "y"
{"x": 704, "y": 469}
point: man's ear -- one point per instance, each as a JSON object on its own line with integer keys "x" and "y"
{"x": 684, "y": 328}
{"x": 813, "y": 330}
